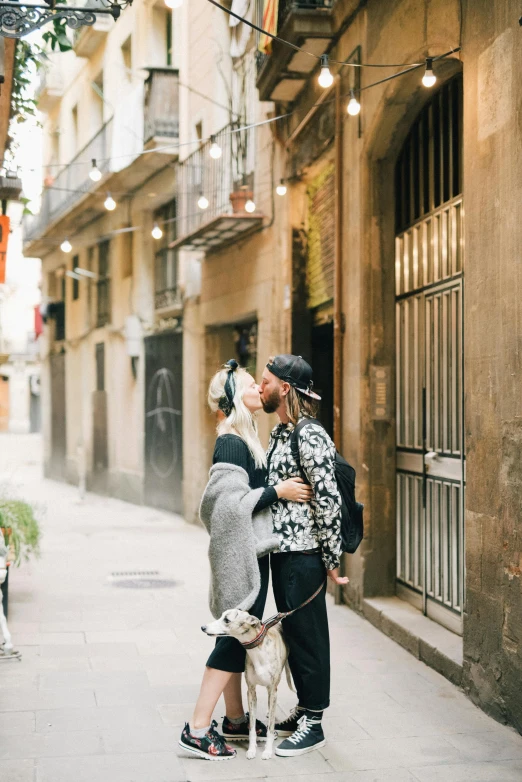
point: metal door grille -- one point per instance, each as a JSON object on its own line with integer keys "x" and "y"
{"x": 429, "y": 328}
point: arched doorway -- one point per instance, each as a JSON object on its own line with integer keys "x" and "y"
{"x": 429, "y": 266}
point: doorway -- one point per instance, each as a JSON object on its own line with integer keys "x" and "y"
{"x": 163, "y": 421}
{"x": 429, "y": 263}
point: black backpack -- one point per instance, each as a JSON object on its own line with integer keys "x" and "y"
{"x": 352, "y": 528}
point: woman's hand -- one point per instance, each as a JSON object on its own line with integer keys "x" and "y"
{"x": 295, "y": 490}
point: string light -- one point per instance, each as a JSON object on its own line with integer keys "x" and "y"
{"x": 173, "y": 3}
{"x": 66, "y": 246}
{"x": 325, "y": 77}
{"x": 354, "y": 106}
{"x": 95, "y": 173}
{"x": 156, "y": 232}
{"x": 429, "y": 77}
{"x": 250, "y": 206}
{"x": 110, "y": 203}
{"x": 281, "y": 188}
{"x": 203, "y": 202}
{"x": 215, "y": 150}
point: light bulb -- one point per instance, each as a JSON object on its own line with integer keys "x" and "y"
{"x": 66, "y": 246}
{"x": 110, "y": 203}
{"x": 429, "y": 77}
{"x": 250, "y": 206}
{"x": 203, "y": 202}
{"x": 215, "y": 150}
{"x": 173, "y": 3}
{"x": 325, "y": 77}
{"x": 157, "y": 233}
{"x": 354, "y": 106}
{"x": 95, "y": 173}
{"x": 281, "y": 188}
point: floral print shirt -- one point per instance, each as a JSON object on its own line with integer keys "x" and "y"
{"x": 314, "y": 524}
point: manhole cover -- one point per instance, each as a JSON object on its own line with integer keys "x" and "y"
{"x": 140, "y": 579}
{"x": 134, "y": 573}
{"x": 145, "y": 583}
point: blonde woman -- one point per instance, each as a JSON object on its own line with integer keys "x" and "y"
{"x": 236, "y": 511}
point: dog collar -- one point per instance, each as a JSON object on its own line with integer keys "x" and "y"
{"x": 260, "y": 637}
{"x": 274, "y": 620}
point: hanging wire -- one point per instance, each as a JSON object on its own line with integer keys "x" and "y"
{"x": 311, "y": 54}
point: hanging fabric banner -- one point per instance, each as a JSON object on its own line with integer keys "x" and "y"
{"x": 270, "y": 14}
{"x": 4, "y": 236}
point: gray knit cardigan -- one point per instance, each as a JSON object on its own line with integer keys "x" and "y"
{"x": 237, "y": 537}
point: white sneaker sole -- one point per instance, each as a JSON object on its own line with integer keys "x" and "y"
{"x": 290, "y": 753}
{"x": 205, "y": 755}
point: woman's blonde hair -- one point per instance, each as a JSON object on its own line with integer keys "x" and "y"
{"x": 239, "y": 420}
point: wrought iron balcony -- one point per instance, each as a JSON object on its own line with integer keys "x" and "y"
{"x": 222, "y": 187}
{"x": 49, "y": 89}
{"x": 66, "y": 189}
{"x": 161, "y": 109}
{"x": 308, "y": 24}
{"x": 71, "y": 184}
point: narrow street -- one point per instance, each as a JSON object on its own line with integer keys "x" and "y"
{"x": 110, "y": 669}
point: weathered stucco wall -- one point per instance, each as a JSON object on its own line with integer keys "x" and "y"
{"x": 493, "y": 321}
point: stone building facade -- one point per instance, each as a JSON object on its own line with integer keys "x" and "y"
{"x": 390, "y": 262}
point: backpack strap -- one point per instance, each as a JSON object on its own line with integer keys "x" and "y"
{"x": 294, "y": 443}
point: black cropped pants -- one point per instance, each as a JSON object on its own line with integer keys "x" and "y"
{"x": 295, "y": 577}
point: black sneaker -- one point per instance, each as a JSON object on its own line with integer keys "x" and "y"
{"x": 240, "y": 732}
{"x": 211, "y": 746}
{"x": 308, "y": 736}
{"x": 289, "y": 726}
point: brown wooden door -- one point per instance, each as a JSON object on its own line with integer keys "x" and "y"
{"x": 58, "y": 416}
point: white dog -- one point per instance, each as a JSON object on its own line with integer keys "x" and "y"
{"x": 267, "y": 655}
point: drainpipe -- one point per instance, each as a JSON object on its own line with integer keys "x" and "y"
{"x": 338, "y": 269}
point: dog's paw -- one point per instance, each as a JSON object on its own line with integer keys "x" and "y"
{"x": 267, "y": 754}
{"x": 251, "y": 753}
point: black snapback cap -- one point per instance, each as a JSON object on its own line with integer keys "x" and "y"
{"x": 296, "y": 371}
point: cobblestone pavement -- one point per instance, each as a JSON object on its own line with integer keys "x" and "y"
{"x": 109, "y": 673}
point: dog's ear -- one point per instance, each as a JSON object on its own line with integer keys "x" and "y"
{"x": 252, "y": 620}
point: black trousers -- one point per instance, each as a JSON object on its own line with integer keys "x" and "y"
{"x": 295, "y": 577}
{"x": 228, "y": 654}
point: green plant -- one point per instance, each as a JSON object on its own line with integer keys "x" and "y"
{"x": 24, "y": 533}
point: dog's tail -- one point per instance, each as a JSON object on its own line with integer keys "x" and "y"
{"x": 289, "y": 677}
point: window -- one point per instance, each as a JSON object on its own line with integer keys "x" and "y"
{"x": 97, "y": 103}
{"x": 126, "y": 53}
{"x": 100, "y": 366}
{"x": 428, "y": 172}
{"x": 168, "y": 37}
{"x": 75, "y": 139}
{"x": 103, "y": 314}
{"x": 75, "y": 282}
{"x": 166, "y": 260}
{"x": 127, "y": 249}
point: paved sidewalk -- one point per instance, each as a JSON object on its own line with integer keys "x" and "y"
{"x": 109, "y": 673}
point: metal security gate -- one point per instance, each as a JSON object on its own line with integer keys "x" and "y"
{"x": 163, "y": 421}
{"x": 429, "y": 328}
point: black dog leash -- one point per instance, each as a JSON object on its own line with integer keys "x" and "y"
{"x": 274, "y": 620}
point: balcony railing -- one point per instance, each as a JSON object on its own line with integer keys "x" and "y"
{"x": 219, "y": 182}
{"x": 160, "y": 121}
{"x": 306, "y": 23}
{"x": 71, "y": 184}
{"x": 161, "y": 109}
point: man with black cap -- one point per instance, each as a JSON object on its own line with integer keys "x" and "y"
{"x": 310, "y": 544}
